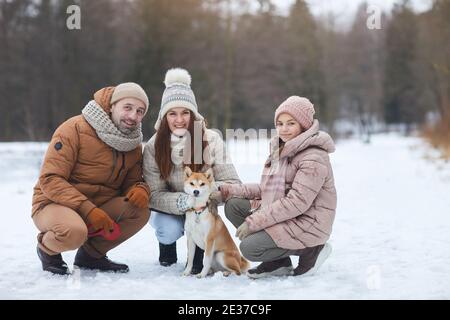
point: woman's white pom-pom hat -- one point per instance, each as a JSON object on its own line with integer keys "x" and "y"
{"x": 178, "y": 93}
{"x": 177, "y": 75}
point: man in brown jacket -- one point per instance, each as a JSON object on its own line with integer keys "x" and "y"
{"x": 91, "y": 178}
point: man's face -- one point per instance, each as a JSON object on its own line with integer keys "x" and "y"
{"x": 127, "y": 114}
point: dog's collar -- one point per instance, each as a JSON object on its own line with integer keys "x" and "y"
{"x": 199, "y": 212}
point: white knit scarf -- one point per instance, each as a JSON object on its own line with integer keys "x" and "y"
{"x": 108, "y": 132}
{"x": 177, "y": 145}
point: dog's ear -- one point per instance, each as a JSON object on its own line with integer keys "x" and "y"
{"x": 187, "y": 171}
{"x": 209, "y": 175}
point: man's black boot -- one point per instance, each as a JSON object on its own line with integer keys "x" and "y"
{"x": 84, "y": 261}
{"x": 54, "y": 264}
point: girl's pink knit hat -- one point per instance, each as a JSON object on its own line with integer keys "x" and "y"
{"x": 300, "y": 108}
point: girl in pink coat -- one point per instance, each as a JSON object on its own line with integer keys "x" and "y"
{"x": 291, "y": 211}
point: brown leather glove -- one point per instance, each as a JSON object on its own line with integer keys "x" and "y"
{"x": 138, "y": 197}
{"x": 99, "y": 219}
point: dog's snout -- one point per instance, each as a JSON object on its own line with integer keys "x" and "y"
{"x": 196, "y": 192}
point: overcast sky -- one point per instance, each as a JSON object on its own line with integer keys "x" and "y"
{"x": 345, "y": 9}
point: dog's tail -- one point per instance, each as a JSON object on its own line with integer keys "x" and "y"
{"x": 244, "y": 264}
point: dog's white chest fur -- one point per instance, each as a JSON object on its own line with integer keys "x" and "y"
{"x": 198, "y": 226}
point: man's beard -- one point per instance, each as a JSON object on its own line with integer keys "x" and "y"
{"x": 125, "y": 130}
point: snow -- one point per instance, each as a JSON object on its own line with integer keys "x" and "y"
{"x": 391, "y": 237}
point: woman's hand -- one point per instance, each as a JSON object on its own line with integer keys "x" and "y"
{"x": 216, "y": 197}
{"x": 243, "y": 231}
{"x": 185, "y": 202}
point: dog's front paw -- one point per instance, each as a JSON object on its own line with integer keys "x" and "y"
{"x": 204, "y": 273}
{"x": 186, "y": 272}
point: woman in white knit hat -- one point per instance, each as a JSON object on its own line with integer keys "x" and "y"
{"x": 166, "y": 154}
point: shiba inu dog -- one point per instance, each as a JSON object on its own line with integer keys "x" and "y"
{"x": 208, "y": 231}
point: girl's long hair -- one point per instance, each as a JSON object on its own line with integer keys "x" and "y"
{"x": 163, "y": 150}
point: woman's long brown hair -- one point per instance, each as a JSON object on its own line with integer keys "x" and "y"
{"x": 163, "y": 150}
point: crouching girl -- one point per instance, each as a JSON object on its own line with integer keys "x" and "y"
{"x": 291, "y": 211}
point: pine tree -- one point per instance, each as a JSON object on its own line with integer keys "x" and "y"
{"x": 364, "y": 72}
{"x": 400, "y": 104}
{"x": 303, "y": 72}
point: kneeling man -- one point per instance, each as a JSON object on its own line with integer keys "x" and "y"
{"x": 91, "y": 182}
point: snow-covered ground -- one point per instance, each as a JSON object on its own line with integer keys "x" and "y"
{"x": 391, "y": 237}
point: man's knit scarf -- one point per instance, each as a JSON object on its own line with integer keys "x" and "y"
{"x": 108, "y": 132}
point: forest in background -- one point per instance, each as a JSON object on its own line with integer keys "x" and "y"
{"x": 244, "y": 63}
